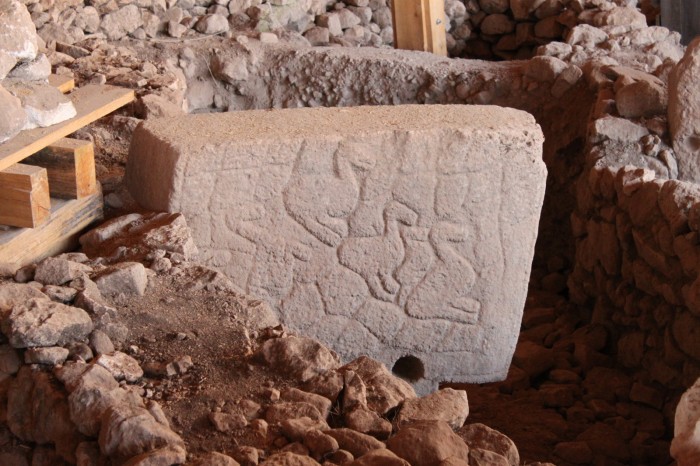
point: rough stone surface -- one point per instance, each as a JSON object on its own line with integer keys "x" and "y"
{"x": 18, "y": 34}
{"x": 447, "y": 405}
{"x": 45, "y": 105}
{"x": 684, "y": 112}
{"x": 57, "y": 271}
{"x": 478, "y": 435}
{"x": 428, "y": 443}
{"x": 298, "y": 357}
{"x": 685, "y": 447}
{"x": 384, "y": 391}
{"x": 40, "y": 322}
{"x": 14, "y": 117}
{"x": 126, "y": 277}
{"x": 364, "y": 265}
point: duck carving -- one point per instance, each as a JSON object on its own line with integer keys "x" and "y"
{"x": 444, "y": 291}
{"x": 324, "y": 190}
{"x": 376, "y": 258}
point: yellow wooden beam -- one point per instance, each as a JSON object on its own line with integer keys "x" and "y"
{"x": 71, "y": 167}
{"x": 419, "y": 25}
{"x": 59, "y": 233}
{"x": 24, "y": 196}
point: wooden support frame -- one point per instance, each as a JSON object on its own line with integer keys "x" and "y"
{"x": 24, "y": 196}
{"x": 22, "y": 246}
{"x": 91, "y": 102}
{"x": 70, "y": 164}
{"x": 419, "y": 25}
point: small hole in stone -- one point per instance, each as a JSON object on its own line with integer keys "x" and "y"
{"x": 409, "y": 368}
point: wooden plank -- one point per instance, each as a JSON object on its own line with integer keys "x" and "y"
{"x": 22, "y": 246}
{"x": 70, "y": 164}
{"x": 92, "y": 102}
{"x": 420, "y": 25}
{"x": 63, "y": 83}
{"x": 24, "y": 196}
{"x": 436, "y": 36}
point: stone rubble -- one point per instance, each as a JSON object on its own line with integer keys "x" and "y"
{"x": 646, "y": 318}
{"x": 74, "y": 408}
{"x": 27, "y": 99}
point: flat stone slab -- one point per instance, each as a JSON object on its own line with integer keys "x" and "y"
{"x": 397, "y": 232}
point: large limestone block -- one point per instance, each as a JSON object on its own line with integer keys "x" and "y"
{"x": 393, "y": 232}
{"x": 684, "y": 112}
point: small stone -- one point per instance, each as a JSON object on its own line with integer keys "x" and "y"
{"x": 367, "y": 422}
{"x": 543, "y": 68}
{"x": 641, "y": 99}
{"x": 121, "y": 366}
{"x": 50, "y": 356}
{"x": 101, "y": 342}
{"x": 427, "y": 442}
{"x": 35, "y": 70}
{"x": 247, "y": 456}
{"x": 446, "y": 405}
{"x": 322, "y": 404}
{"x": 128, "y": 278}
{"x": 268, "y": 38}
{"x": 381, "y": 457}
{"x": 212, "y": 24}
{"x": 481, "y": 436}
{"x": 60, "y": 294}
{"x": 224, "y": 422}
{"x": 319, "y": 444}
{"x": 289, "y": 459}
{"x": 279, "y": 412}
{"x": 295, "y": 429}
{"x": 215, "y": 459}
{"x": 54, "y": 271}
{"x": 119, "y": 23}
{"x": 297, "y": 357}
{"x": 617, "y": 129}
{"x": 40, "y": 322}
{"x": 356, "y": 443}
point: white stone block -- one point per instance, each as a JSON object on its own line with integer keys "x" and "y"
{"x": 387, "y": 231}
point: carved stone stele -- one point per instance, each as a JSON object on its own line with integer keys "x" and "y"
{"x": 405, "y": 233}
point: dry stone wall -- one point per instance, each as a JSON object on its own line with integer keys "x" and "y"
{"x": 636, "y": 228}
{"x": 503, "y": 29}
{"x": 389, "y": 231}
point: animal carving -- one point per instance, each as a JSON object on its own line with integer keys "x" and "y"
{"x": 324, "y": 190}
{"x": 444, "y": 292}
{"x": 376, "y": 258}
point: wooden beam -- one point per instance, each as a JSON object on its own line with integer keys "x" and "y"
{"x": 63, "y": 83}
{"x": 420, "y": 25}
{"x": 70, "y": 164}
{"x": 24, "y": 196}
{"x": 60, "y": 232}
{"x": 92, "y": 102}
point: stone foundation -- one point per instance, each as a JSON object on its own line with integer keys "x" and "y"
{"x": 390, "y": 231}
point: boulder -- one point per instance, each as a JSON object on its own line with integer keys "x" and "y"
{"x": 428, "y": 443}
{"x": 18, "y": 34}
{"x": 40, "y": 322}
{"x": 684, "y": 113}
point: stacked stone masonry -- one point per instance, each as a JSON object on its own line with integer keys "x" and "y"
{"x": 387, "y": 231}
{"x": 504, "y": 29}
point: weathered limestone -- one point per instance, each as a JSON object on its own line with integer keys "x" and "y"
{"x": 386, "y": 231}
{"x": 685, "y": 448}
{"x": 684, "y": 113}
